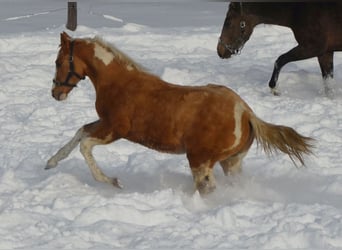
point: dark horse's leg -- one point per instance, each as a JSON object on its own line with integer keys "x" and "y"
{"x": 326, "y": 63}
{"x": 295, "y": 54}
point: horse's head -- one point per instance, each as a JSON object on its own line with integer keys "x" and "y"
{"x": 237, "y": 28}
{"x": 69, "y": 69}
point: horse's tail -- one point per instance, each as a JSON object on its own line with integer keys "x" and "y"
{"x": 273, "y": 138}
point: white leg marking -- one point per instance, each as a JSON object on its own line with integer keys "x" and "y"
{"x": 86, "y": 147}
{"x": 329, "y": 84}
{"x": 275, "y": 91}
{"x": 65, "y": 150}
{"x": 103, "y": 54}
{"x": 232, "y": 165}
{"x": 204, "y": 178}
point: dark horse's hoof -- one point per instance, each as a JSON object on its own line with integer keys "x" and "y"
{"x": 275, "y": 92}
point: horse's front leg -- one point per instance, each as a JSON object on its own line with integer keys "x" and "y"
{"x": 65, "y": 150}
{"x": 296, "y": 54}
{"x": 88, "y": 136}
{"x": 202, "y": 172}
{"x": 97, "y": 133}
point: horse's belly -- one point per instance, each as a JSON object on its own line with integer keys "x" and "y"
{"x": 159, "y": 145}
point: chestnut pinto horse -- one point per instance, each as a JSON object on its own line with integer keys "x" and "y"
{"x": 210, "y": 123}
{"x": 316, "y": 27}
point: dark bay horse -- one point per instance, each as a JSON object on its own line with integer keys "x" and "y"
{"x": 209, "y": 124}
{"x": 317, "y": 27}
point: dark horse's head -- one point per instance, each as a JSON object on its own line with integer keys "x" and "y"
{"x": 237, "y": 28}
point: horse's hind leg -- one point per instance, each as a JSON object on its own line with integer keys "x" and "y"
{"x": 96, "y": 135}
{"x": 232, "y": 165}
{"x": 326, "y": 63}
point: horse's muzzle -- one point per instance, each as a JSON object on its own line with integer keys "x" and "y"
{"x": 222, "y": 52}
{"x": 59, "y": 95}
{"x": 225, "y": 50}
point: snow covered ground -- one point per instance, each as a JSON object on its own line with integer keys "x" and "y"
{"x": 271, "y": 205}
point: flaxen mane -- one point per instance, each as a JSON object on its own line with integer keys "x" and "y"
{"x": 119, "y": 55}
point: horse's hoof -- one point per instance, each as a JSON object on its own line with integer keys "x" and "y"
{"x": 329, "y": 93}
{"x": 206, "y": 190}
{"x": 275, "y": 92}
{"x": 116, "y": 183}
{"x": 205, "y": 187}
{"x": 50, "y": 164}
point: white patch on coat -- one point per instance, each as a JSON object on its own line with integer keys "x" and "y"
{"x": 129, "y": 67}
{"x": 238, "y": 111}
{"x": 103, "y": 54}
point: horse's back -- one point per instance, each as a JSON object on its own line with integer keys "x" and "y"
{"x": 320, "y": 20}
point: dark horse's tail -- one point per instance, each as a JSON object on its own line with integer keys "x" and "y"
{"x": 275, "y": 137}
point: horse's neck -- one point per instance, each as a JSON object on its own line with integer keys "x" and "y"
{"x": 97, "y": 71}
{"x": 116, "y": 74}
{"x": 271, "y": 13}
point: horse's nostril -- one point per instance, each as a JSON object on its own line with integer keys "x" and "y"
{"x": 56, "y": 95}
{"x": 220, "y": 55}
{"x": 219, "y": 51}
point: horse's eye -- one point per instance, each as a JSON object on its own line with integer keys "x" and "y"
{"x": 58, "y": 64}
{"x": 242, "y": 24}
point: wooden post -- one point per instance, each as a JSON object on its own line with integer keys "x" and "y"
{"x": 72, "y": 16}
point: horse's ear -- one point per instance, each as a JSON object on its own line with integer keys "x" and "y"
{"x": 234, "y": 5}
{"x": 65, "y": 40}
